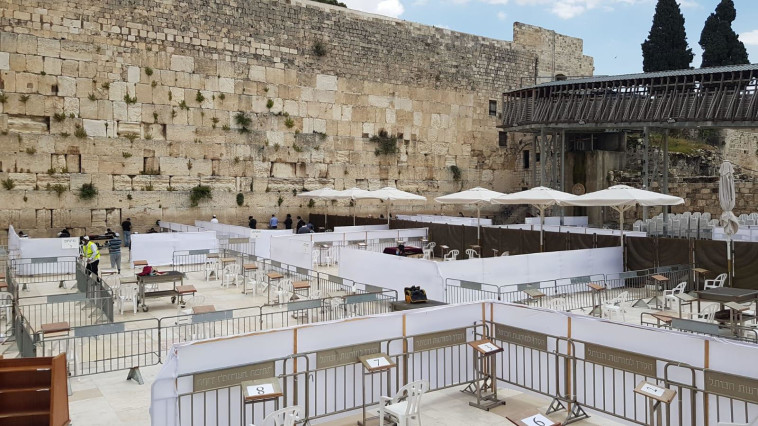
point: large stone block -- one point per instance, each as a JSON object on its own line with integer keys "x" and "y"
{"x": 182, "y": 63}
{"x": 49, "y": 47}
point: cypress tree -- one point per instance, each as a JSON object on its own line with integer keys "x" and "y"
{"x": 720, "y": 43}
{"x": 666, "y": 46}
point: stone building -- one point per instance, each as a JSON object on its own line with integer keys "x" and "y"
{"x": 258, "y": 100}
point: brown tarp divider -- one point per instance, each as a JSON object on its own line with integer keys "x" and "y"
{"x": 673, "y": 251}
{"x": 603, "y": 241}
{"x": 745, "y": 265}
{"x": 640, "y": 253}
{"x": 711, "y": 255}
{"x": 556, "y": 241}
{"x": 581, "y": 241}
{"x": 530, "y": 242}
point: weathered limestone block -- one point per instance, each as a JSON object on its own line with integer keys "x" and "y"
{"x": 174, "y": 166}
{"x": 145, "y": 182}
{"x": 184, "y": 183}
{"x": 95, "y": 128}
{"x": 219, "y": 183}
{"x": 48, "y": 47}
{"x": 182, "y": 63}
{"x": 122, "y": 183}
{"x": 133, "y": 74}
{"x": 23, "y": 181}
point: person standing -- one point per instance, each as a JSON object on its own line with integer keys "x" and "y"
{"x": 273, "y": 222}
{"x": 251, "y": 222}
{"x": 288, "y": 222}
{"x": 300, "y": 223}
{"x": 92, "y": 255}
{"x": 213, "y": 219}
{"x": 114, "y": 250}
{"x": 126, "y": 226}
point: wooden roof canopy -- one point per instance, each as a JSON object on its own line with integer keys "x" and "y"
{"x": 719, "y": 97}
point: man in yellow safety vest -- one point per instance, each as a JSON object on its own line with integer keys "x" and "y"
{"x": 92, "y": 254}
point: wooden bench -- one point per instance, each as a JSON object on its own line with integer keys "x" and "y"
{"x": 55, "y": 328}
{"x": 181, "y": 290}
{"x": 301, "y": 285}
{"x": 203, "y": 309}
{"x": 139, "y": 263}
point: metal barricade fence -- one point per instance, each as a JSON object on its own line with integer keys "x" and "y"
{"x": 460, "y": 291}
{"x": 44, "y": 269}
{"x": 183, "y": 328}
{"x": 191, "y": 260}
{"x": 76, "y": 309}
{"x": 107, "y": 347}
{"x": 25, "y": 336}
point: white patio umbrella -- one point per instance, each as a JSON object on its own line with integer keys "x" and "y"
{"x": 325, "y": 193}
{"x": 540, "y": 197}
{"x": 350, "y": 194}
{"x": 476, "y": 196}
{"x": 623, "y": 198}
{"x": 389, "y": 194}
{"x": 728, "y": 219}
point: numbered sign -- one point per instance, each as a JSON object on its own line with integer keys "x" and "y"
{"x": 70, "y": 243}
{"x": 488, "y": 347}
{"x": 377, "y": 362}
{"x": 537, "y": 420}
{"x": 652, "y": 389}
{"x": 261, "y": 390}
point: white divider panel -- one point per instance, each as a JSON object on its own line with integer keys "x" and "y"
{"x": 533, "y": 319}
{"x": 347, "y": 333}
{"x": 443, "y": 318}
{"x": 292, "y": 250}
{"x": 14, "y": 243}
{"x": 158, "y": 249}
{"x": 29, "y": 248}
{"x": 729, "y": 357}
{"x": 534, "y": 267}
{"x": 394, "y": 272}
{"x": 263, "y": 240}
{"x": 413, "y": 233}
{"x": 179, "y": 227}
{"x": 344, "y": 229}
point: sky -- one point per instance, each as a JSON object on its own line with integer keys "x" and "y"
{"x": 612, "y": 30}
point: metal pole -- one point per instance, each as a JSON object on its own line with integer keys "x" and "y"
{"x": 645, "y": 166}
{"x": 562, "y": 182}
{"x": 665, "y": 184}
{"x": 534, "y": 160}
{"x": 542, "y": 157}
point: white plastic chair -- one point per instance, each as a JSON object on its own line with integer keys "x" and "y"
{"x": 715, "y": 282}
{"x": 287, "y": 416}
{"x": 402, "y": 411}
{"x": 429, "y": 250}
{"x": 505, "y": 253}
{"x": 316, "y": 258}
{"x": 706, "y": 314}
{"x": 617, "y": 305}
{"x": 671, "y": 294}
{"x": 472, "y": 254}
{"x": 285, "y": 290}
{"x": 211, "y": 268}
{"x": 451, "y": 255}
{"x": 231, "y": 275}
{"x": 256, "y": 281}
{"x": 6, "y": 303}
{"x": 128, "y": 293}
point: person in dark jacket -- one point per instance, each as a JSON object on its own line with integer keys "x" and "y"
{"x": 251, "y": 222}
{"x": 288, "y": 222}
{"x": 300, "y": 223}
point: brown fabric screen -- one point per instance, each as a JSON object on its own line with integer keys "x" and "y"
{"x": 530, "y": 242}
{"x": 640, "y": 253}
{"x": 581, "y": 241}
{"x": 673, "y": 251}
{"x": 602, "y": 241}
{"x": 745, "y": 265}
{"x": 556, "y": 241}
{"x": 711, "y": 255}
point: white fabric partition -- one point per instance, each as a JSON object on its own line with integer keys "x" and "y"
{"x": 343, "y": 229}
{"x": 534, "y": 267}
{"x": 23, "y": 250}
{"x": 263, "y": 240}
{"x": 394, "y": 272}
{"x": 179, "y": 227}
{"x": 449, "y": 220}
{"x": 293, "y": 250}
{"x": 158, "y": 249}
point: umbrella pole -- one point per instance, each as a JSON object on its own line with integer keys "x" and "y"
{"x": 478, "y": 225}
{"x": 388, "y": 211}
{"x": 729, "y": 258}
{"x": 542, "y": 229}
{"x": 353, "y": 212}
{"x": 326, "y": 215}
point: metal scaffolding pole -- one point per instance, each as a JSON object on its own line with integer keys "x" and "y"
{"x": 542, "y": 157}
{"x": 645, "y": 166}
{"x": 665, "y": 184}
{"x": 534, "y": 160}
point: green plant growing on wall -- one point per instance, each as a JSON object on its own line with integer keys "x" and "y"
{"x": 173, "y": 113}
{"x": 130, "y": 100}
{"x": 148, "y": 187}
{"x": 24, "y": 98}
{"x": 319, "y": 48}
{"x": 387, "y": 143}
{"x": 106, "y": 85}
{"x": 289, "y": 122}
{"x": 311, "y": 203}
{"x": 148, "y": 71}
{"x": 214, "y": 121}
{"x": 154, "y": 83}
{"x": 58, "y": 189}
{"x": 92, "y": 97}
{"x": 31, "y": 150}
{"x": 189, "y": 164}
{"x": 129, "y": 197}
{"x": 279, "y": 201}
{"x": 297, "y": 148}
{"x": 3, "y": 98}
{"x": 130, "y": 136}
{"x": 9, "y": 184}
{"x": 240, "y": 199}
{"x": 79, "y": 132}
{"x": 456, "y": 172}
{"x": 199, "y": 97}
{"x": 221, "y": 97}
{"x": 87, "y": 191}
{"x": 243, "y": 121}
{"x": 59, "y": 116}
{"x": 65, "y": 134}
{"x": 170, "y": 95}
{"x": 183, "y": 105}
{"x": 270, "y": 103}
{"x": 200, "y": 193}
{"x": 155, "y": 117}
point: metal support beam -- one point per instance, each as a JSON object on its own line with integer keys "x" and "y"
{"x": 665, "y": 183}
{"x": 562, "y": 179}
{"x": 534, "y": 160}
{"x": 646, "y": 166}
{"x": 543, "y": 158}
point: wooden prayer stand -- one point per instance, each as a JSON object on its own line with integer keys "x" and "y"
{"x": 597, "y": 307}
{"x": 374, "y": 364}
{"x": 261, "y": 390}
{"x": 655, "y": 396}
{"x": 485, "y": 366}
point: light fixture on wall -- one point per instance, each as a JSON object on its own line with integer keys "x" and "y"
{"x": 671, "y": 120}
{"x": 582, "y": 122}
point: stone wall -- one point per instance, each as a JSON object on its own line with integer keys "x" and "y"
{"x": 143, "y": 100}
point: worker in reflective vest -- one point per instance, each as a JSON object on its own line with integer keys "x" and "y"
{"x": 92, "y": 254}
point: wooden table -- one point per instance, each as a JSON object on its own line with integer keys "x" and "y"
{"x": 272, "y": 276}
{"x": 700, "y": 272}
{"x": 246, "y": 267}
{"x": 597, "y": 308}
{"x": 405, "y": 306}
{"x": 184, "y": 289}
{"x": 300, "y": 285}
{"x": 534, "y": 294}
{"x": 726, "y": 295}
{"x": 55, "y": 327}
{"x": 105, "y": 272}
{"x": 203, "y": 309}
{"x": 166, "y": 277}
{"x": 141, "y": 263}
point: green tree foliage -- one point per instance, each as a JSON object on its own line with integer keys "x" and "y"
{"x": 666, "y": 46}
{"x": 720, "y": 43}
{"x": 332, "y": 2}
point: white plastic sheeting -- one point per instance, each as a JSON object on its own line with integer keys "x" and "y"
{"x": 292, "y": 249}
{"x": 574, "y": 229}
{"x": 343, "y": 229}
{"x": 25, "y": 249}
{"x": 450, "y": 220}
{"x": 158, "y": 249}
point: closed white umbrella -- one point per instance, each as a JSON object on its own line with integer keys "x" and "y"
{"x": 623, "y": 198}
{"x": 476, "y": 196}
{"x": 350, "y": 194}
{"x": 540, "y": 197}
{"x": 390, "y": 194}
{"x": 728, "y": 219}
{"x": 325, "y": 193}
